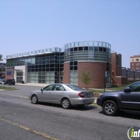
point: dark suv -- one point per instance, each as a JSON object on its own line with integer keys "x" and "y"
{"x": 9, "y": 82}
{"x": 128, "y": 99}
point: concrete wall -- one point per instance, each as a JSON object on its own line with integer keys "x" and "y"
{"x": 23, "y": 69}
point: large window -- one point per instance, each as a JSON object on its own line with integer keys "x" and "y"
{"x": 73, "y": 77}
{"x": 45, "y": 68}
{"x": 135, "y": 87}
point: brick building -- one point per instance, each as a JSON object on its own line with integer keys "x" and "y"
{"x": 55, "y": 66}
{"x": 135, "y": 62}
{"x": 87, "y": 56}
{"x": 120, "y": 75}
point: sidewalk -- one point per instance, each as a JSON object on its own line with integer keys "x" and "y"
{"x": 32, "y": 84}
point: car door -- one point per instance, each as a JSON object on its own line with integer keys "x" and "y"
{"x": 57, "y": 94}
{"x": 46, "y": 92}
{"x": 131, "y": 100}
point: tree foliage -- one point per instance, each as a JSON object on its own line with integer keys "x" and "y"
{"x": 86, "y": 78}
{"x": 0, "y": 57}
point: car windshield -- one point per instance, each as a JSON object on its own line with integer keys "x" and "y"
{"x": 74, "y": 87}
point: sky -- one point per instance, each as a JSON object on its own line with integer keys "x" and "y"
{"x": 27, "y": 25}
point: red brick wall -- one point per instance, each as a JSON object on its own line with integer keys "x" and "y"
{"x": 9, "y": 76}
{"x": 120, "y": 81}
{"x": 96, "y": 69}
{"x": 116, "y": 70}
{"x": 66, "y": 74}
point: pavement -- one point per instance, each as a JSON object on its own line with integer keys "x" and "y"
{"x": 25, "y": 121}
{"x": 32, "y": 84}
{"x": 43, "y": 85}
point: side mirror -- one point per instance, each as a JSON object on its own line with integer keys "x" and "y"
{"x": 41, "y": 89}
{"x": 127, "y": 89}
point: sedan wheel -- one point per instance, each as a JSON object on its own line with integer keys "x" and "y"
{"x": 110, "y": 107}
{"x": 65, "y": 103}
{"x": 34, "y": 99}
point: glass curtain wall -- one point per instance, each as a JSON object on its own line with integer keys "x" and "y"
{"x": 45, "y": 68}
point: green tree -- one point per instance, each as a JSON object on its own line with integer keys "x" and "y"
{"x": 0, "y": 57}
{"x": 86, "y": 78}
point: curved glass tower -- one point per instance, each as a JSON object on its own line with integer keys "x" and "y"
{"x": 87, "y": 51}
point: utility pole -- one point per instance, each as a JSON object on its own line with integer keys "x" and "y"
{"x": 105, "y": 75}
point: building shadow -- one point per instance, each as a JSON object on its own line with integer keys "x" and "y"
{"x": 126, "y": 114}
{"x": 78, "y": 108}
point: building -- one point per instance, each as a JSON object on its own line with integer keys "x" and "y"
{"x": 41, "y": 66}
{"x": 135, "y": 62}
{"x": 118, "y": 73}
{"x": 87, "y": 56}
{"x": 56, "y": 66}
{"x": 121, "y": 75}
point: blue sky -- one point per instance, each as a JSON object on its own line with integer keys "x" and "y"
{"x": 27, "y": 25}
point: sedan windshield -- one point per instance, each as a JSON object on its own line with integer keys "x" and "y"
{"x": 74, "y": 87}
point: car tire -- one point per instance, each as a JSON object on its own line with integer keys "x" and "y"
{"x": 110, "y": 108}
{"x": 34, "y": 99}
{"x": 65, "y": 103}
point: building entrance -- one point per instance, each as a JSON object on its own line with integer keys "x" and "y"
{"x": 19, "y": 76}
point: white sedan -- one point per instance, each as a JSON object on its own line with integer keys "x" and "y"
{"x": 63, "y": 94}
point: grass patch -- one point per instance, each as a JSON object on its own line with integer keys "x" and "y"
{"x": 97, "y": 92}
{"x": 116, "y": 88}
{"x": 8, "y": 88}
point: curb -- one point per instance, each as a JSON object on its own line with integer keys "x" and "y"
{"x": 1, "y": 89}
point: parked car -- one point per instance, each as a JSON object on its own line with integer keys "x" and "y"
{"x": 0, "y": 81}
{"x": 3, "y": 80}
{"x": 64, "y": 94}
{"x": 9, "y": 82}
{"x": 128, "y": 99}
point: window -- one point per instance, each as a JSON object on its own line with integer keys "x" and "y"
{"x": 100, "y": 49}
{"x": 95, "y": 49}
{"x": 74, "y": 87}
{"x": 137, "y": 59}
{"x": 135, "y": 87}
{"x": 50, "y": 87}
{"x": 59, "y": 88}
{"x": 117, "y": 60}
{"x": 80, "y": 48}
{"x": 85, "y": 48}
{"x": 104, "y": 49}
{"x": 90, "y": 48}
{"x": 75, "y": 49}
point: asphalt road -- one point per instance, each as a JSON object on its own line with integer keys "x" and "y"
{"x": 21, "y": 120}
